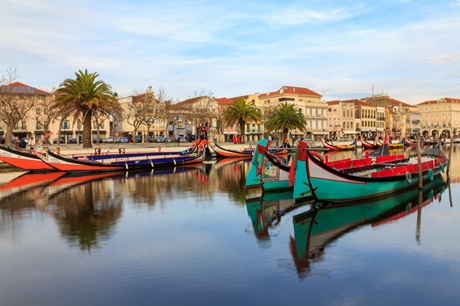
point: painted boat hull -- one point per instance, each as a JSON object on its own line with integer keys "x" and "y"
{"x": 264, "y": 174}
{"x": 331, "y": 147}
{"x": 248, "y": 153}
{"x": 70, "y": 165}
{"x": 331, "y": 185}
{"x": 23, "y": 160}
{"x": 368, "y": 145}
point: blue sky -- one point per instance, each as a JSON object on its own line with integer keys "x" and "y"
{"x": 407, "y": 49}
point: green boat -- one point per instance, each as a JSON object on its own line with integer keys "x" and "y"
{"x": 266, "y": 212}
{"x": 361, "y": 183}
{"x": 266, "y": 175}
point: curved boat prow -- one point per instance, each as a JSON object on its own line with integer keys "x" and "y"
{"x": 253, "y": 178}
{"x": 301, "y": 190}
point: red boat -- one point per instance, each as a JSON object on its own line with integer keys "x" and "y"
{"x": 32, "y": 161}
{"x": 409, "y": 142}
{"x": 332, "y": 147}
{"x": 247, "y": 152}
{"x": 27, "y": 181}
{"x": 23, "y": 160}
{"x": 71, "y": 165}
{"x": 368, "y": 145}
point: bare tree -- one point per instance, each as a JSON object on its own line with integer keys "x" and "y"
{"x": 153, "y": 109}
{"x": 133, "y": 114}
{"x": 44, "y": 116}
{"x": 201, "y": 111}
{"x": 16, "y": 100}
{"x": 100, "y": 116}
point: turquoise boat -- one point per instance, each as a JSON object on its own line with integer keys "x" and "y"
{"x": 266, "y": 212}
{"x": 318, "y": 227}
{"x": 265, "y": 174}
{"x": 361, "y": 183}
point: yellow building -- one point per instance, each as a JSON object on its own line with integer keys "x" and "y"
{"x": 38, "y": 119}
{"x": 440, "y": 117}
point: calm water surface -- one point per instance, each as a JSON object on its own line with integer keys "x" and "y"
{"x": 192, "y": 238}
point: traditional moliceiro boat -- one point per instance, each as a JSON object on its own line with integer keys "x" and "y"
{"x": 72, "y": 165}
{"x": 339, "y": 147}
{"x": 370, "y": 145}
{"x": 33, "y": 160}
{"x": 23, "y": 160}
{"x": 247, "y": 152}
{"x": 330, "y": 184}
{"x": 269, "y": 171}
{"x": 265, "y": 173}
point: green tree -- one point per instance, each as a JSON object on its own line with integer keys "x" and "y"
{"x": 239, "y": 112}
{"x": 83, "y": 96}
{"x": 285, "y": 118}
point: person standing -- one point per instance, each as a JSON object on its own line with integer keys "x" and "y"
{"x": 16, "y": 142}
{"x": 31, "y": 142}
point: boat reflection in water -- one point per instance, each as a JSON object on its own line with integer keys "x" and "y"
{"x": 319, "y": 226}
{"x": 266, "y": 211}
{"x": 26, "y": 182}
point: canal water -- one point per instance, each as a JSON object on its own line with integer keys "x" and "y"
{"x": 191, "y": 237}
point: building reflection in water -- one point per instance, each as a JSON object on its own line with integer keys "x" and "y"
{"x": 87, "y": 207}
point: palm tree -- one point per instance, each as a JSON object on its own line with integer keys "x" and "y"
{"x": 241, "y": 112}
{"x": 284, "y": 118}
{"x": 83, "y": 96}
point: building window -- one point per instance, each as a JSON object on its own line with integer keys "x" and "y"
{"x": 38, "y": 125}
{"x": 24, "y": 125}
{"x": 37, "y": 111}
{"x": 65, "y": 124}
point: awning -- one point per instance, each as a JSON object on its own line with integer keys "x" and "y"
{"x": 320, "y": 133}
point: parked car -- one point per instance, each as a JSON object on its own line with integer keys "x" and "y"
{"x": 110, "y": 139}
{"x": 71, "y": 140}
{"x": 61, "y": 140}
{"x": 159, "y": 139}
{"x": 168, "y": 139}
{"x": 149, "y": 138}
{"x": 138, "y": 138}
{"x": 101, "y": 139}
{"x": 182, "y": 139}
{"x": 123, "y": 139}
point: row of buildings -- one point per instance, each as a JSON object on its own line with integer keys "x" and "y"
{"x": 201, "y": 116}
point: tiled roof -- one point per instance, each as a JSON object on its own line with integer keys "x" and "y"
{"x": 290, "y": 90}
{"x": 361, "y": 102}
{"x": 228, "y": 101}
{"x": 397, "y": 102}
{"x": 18, "y": 87}
{"x": 447, "y": 100}
{"x": 189, "y": 101}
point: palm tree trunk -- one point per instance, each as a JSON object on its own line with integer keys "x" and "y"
{"x": 242, "y": 126}
{"x": 87, "y": 141}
